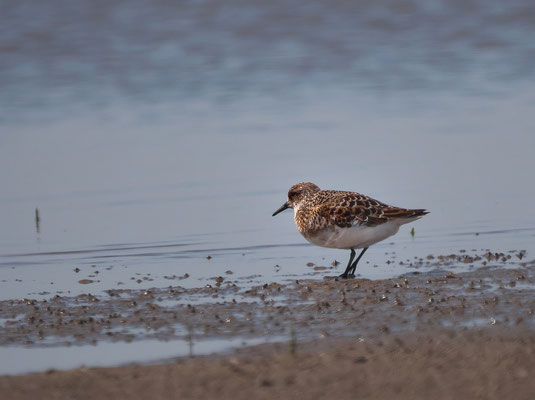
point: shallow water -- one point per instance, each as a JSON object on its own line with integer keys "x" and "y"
{"x": 103, "y": 354}
{"x": 150, "y": 137}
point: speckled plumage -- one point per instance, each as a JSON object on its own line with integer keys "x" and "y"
{"x": 344, "y": 220}
{"x": 329, "y": 208}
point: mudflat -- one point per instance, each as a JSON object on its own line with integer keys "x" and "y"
{"x": 435, "y": 334}
{"x": 473, "y": 364}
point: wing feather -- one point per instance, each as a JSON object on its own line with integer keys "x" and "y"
{"x": 350, "y": 208}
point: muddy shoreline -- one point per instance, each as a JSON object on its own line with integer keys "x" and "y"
{"x": 312, "y": 309}
{"x": 489, "y": 363}
{"x": 434, "y": 328}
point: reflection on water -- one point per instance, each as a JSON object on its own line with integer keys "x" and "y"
{"x": 153, "y": 135}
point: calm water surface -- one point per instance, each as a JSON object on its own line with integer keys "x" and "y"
{"x": 150, "y": 136}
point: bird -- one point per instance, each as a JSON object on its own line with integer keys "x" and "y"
{"x": 344, "y": 220}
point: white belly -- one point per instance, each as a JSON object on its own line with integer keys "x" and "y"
{"x": 356, "y": 237}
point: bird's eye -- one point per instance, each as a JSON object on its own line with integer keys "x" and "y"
{"x": 291, "y": 194}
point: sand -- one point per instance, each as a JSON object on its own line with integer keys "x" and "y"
{"x": 475, "y": 364}
{"x": 436, "y": 334}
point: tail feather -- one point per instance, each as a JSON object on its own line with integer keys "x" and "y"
{"x": 403, "y": 213}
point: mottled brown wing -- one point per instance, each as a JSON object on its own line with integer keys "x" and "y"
{"x": 349, "y": 208}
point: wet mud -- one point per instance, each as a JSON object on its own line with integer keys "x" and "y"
{"x": 434, "y": 334}
{"x": 497, "y": 294}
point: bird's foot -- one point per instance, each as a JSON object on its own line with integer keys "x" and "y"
{"x": 339, "y": 277}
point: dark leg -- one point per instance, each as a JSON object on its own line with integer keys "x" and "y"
{"x": 354, "y": 266}
{"x": 348, "y": 268}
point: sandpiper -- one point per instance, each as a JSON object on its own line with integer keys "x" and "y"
{"x": 344, "y": 220}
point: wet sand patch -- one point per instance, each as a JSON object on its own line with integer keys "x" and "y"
{"x": 444, "y": 364}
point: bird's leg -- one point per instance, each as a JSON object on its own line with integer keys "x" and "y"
{"x": 348, "y": 268}
{"x": 354, "y": 266}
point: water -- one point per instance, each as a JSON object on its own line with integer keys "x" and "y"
{"x": 150, "y": 136}
{"x": 27, "y": 359}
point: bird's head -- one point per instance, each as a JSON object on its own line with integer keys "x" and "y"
{"x": 298, "y": 193}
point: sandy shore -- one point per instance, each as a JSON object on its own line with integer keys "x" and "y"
{"x": 436, "y": 334}
{"x": 475, "y": 364}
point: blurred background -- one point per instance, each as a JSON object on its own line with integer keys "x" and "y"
{"x": 150, "y": 135}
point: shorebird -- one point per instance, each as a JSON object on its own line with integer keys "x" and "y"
{"x": 344, "y": 220}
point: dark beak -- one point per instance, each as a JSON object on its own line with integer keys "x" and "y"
{"x": 282, "y": 208}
